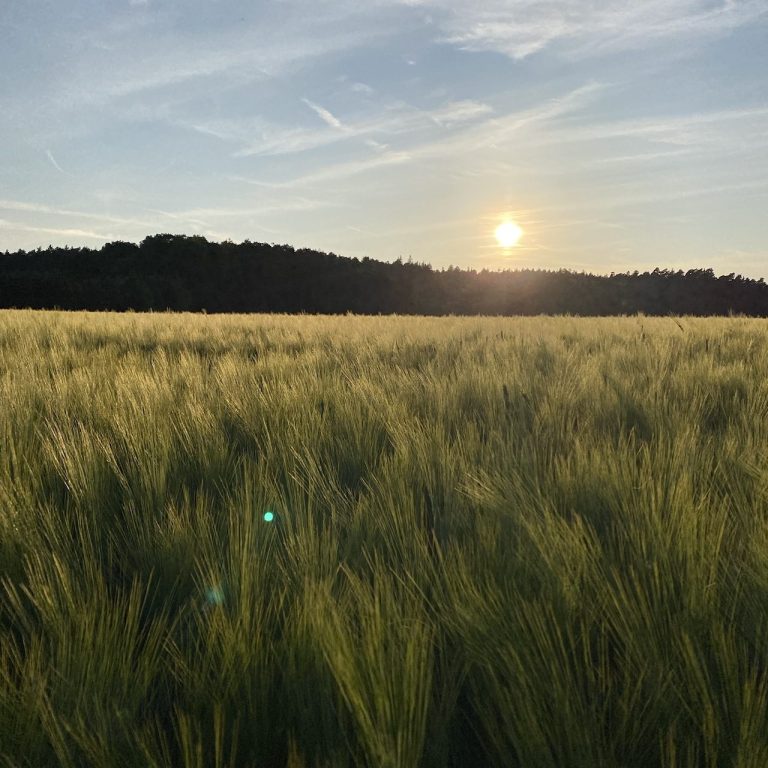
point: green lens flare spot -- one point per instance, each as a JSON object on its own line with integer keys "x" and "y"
{"x": 269, "y": 517}
{"x": 214, "y": 596}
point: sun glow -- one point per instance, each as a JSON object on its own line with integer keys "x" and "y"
{"x": 508, "y": 234}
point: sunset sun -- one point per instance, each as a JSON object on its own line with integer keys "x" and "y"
{"x": 508, "y": 234}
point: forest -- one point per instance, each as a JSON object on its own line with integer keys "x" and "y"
{"x": 189, "y": 273}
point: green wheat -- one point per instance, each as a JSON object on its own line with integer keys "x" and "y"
{"x": 386, "y": 541}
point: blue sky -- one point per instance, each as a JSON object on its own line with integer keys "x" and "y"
{"x": 619, "y": 134}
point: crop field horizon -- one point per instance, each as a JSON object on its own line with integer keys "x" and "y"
{"x": 393, "y": 542}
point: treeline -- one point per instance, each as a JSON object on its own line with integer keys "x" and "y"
{"x": 191, "y": 274}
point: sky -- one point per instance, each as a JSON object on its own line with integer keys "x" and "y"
{"x": 618, "y": 134}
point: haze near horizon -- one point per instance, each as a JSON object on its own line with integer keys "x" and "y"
{"x": 615, "y": 135}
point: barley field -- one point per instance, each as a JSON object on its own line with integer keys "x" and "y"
{"x": 390, "y": 542}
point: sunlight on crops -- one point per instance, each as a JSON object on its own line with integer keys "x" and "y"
{"x": 383, "y": 541}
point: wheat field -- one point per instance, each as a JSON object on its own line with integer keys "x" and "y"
{"x": 392, "y": 542}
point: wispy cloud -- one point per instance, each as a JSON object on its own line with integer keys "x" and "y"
{"x": 460, "y": 112}
{"x": 335, "y": 171}
{"x": 203, "y": 216}
{"x": 266, "y": 139}
{"x": 233, "y": 56}
{"x": 497, "y": 131}
{"x": 377, "y": 145}
{"x": 684, "y": 191}
{"x": 26, "y": 207}
{"x": 325, "y": 115}
{"x": 362, "y": 88}
{"x": 50, "y": 156}
{"x": 385, "y": 122}
{"x": 492, "y": 132}
{"x": 22, "y": 206}
{"x": 201, "y": 220}
{"x": 726, "y": 131}
{"x": 66, "y": 233}
{"x": 520, "y": 28}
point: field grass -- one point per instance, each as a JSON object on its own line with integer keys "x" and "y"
{"x": 496, "y": 542}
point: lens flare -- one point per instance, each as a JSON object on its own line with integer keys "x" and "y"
{"x": 269, "y": 517}
{"x": 214, "y": 596}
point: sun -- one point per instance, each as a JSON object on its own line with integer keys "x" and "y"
{"x": 508, "y": 233}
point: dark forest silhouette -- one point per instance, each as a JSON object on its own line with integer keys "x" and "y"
{"x": 191, "y": 274}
